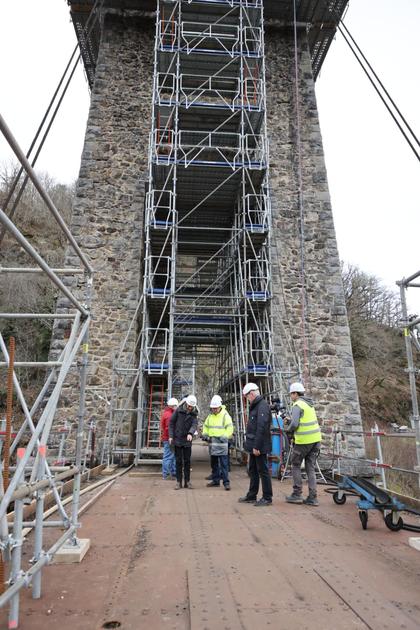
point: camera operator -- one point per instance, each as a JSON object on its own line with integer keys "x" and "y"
{"x": 307, "y": 438}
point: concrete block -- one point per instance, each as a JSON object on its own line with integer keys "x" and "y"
{"x": 69, "y": 554}
{"x": 109, "y": 470}
{"x": 414, "y": 542}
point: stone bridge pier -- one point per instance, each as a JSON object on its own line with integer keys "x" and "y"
{"x": 308, "y": 309}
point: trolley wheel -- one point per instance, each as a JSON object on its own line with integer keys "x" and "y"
{"x": 339, "y": 500}
{"x": 394, "y": 527}
{"x": 363, "y": 515}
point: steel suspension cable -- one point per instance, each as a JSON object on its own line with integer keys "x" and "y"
{"x": 381, "y": 84}
{"x": 356, "y": 50}
{"x": 38, "y": 131}
{"x": 43, "y": 139}
{"x": 416, "y": 153}
{"x": 88, "y": 27}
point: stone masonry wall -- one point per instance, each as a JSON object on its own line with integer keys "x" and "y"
{"x": 329, "y": 372}
{"x": 108, "y": 219}
{"x": 108, "y": 214}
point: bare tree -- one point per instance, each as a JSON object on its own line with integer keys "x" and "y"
{"x": 368, "y": 300}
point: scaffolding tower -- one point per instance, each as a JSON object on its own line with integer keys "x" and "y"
{"x": 207, "y": 283}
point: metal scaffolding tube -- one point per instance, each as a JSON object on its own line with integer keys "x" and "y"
{"x": 29, "y": 422}
{"x": 34, "y": 407}
{"x": 45, "y": 420}
{"x": 39, "y": 434}
{"x": 46, "y": 198}
{"x": 64, "y": 271}
{"x": 27, "y": 489}
{"x": 412, "y": 371}
{"x": 26, "y": 578}
{"x": 37, "y": 316}
{"x": 32, "y": 364}
{"x": 40, "y": 261}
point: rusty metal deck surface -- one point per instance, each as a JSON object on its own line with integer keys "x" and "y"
{"x": 196, "y": 559}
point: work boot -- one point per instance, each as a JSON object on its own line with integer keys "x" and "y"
{"x": 212, "y": 483}
{"x": 177, "y": 486}
{"x": 247, "y": 499}
{"x": 209, "y": 478}
{"x": 262, "y": 503}
{"x": 188, "y": 485}
{"x": 294, "y": 498}
{"x": 227, "y": 486}
{"x": 311, "y": 500}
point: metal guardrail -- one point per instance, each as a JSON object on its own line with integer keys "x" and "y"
{"x": 377, "y": 463}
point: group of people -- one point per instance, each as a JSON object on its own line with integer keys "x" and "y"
{"x": 179, "y": 425}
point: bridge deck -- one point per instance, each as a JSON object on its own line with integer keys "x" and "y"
{"x": 196, "y": 559}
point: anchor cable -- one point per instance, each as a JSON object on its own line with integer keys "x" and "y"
{"x": 362, "y": 59}
{"x": 90, "y": 24}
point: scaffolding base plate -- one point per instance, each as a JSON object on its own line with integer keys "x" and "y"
{"x": 70, "y": 554}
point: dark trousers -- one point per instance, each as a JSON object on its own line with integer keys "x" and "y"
{"x": 309, "y": 453}
{"x": 258, "y": 468}
{"x": 214, "y": 462}
{"x": 183, "y": 462}
{"x": 220, "y": 471}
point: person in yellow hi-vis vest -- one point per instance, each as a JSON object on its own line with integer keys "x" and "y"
{"x": 218, "y": 429}
{"x": 307, "y": 438}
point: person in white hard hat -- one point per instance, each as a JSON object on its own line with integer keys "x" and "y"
{"x": 168, "y": 461}
{"x": 182, "y": 426}
{"x": 258, "y": 445}
{"x": 218, "y": 429}
{"x": 307, "y": 444}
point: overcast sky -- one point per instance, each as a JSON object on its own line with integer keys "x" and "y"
{"x": 373, "y": 175}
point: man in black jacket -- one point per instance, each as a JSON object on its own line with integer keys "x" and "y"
{"x": 182, "y": 426}
{"x": 258, "y": 445}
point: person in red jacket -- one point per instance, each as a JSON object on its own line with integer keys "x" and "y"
{"x": 168, "y": 462}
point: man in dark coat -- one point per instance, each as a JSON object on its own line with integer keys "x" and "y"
{"x": 182, "y": 426}
{"x": 258, "y": 445}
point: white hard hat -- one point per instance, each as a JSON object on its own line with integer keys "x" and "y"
{"x": 216, "y": 401}
{"x": 191, "y": 400}
{"x": 296, "y": 387}
{"x": 249, "y": 387}
{"x": 172, "y": 402}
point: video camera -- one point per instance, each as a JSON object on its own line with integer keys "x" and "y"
{"x": 278, "y": 408}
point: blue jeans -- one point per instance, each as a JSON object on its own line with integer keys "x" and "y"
{"x": 168, "y": 462}
{"x": 222, "y": 470}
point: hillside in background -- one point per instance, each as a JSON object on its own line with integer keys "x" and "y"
{"x": 31, "y": 293}
{"x": 378, "y": 348}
